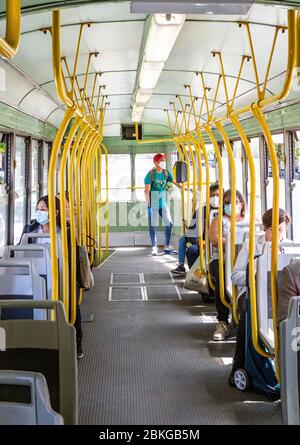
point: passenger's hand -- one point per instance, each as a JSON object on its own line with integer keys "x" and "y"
{"x": 150, "y": 212}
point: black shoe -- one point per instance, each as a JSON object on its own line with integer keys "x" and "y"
{"x": 180, "y": 270}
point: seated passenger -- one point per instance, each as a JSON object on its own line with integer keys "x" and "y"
{"x": 239, "y": 277}
{"x": 191, "y": 236}
{"x": 288, "y": 287}
{"x": 41, "y": 224}
{"x": 241, "y": 216}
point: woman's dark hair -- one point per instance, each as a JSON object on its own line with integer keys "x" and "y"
{"x": 213, "y": 187}
{"x": 283, "y": 217}
{"x": 57, "y": 207}
{"x": 240, "y": 197}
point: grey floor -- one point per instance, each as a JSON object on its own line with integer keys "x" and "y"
{"x": 154, "y": 362}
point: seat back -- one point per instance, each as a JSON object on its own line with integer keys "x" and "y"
{"x": 19, "y": 279}
{"x": 263, "y": 287}
{"x": 24, "y": 400}
{"x": 289, "y": 364}
{"x": 241, "y": 234}
{"x": 44, "y": 346}
{"x": 41, "y": 255}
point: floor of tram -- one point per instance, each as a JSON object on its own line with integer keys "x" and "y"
{"x": 149, "y": 358}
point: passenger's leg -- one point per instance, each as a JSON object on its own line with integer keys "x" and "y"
{"x": 77, "y": 326}
{"x": 153, "y": 219}
{"x": 222, "y": 311}
{"x": 192, "y": 254}
{"x": 182, "y": 250}
{"x": 166, "y": 216}
{"x": 181, "y": 256}
{"x": 239, "y": 355}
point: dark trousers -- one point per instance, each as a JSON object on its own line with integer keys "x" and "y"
{"x": 77, "y": 324}
{"x": 222, "y": 310}
{"x": 240, "y": 347}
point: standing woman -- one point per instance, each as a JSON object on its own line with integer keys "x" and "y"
{"x": 241, "y": 216}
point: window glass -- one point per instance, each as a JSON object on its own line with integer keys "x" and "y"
{"x": 225, "y": 163}
{"x": 238, "y": 157}
{"x": 34, "y": 176}
{"x": 254, "y": 143}
{"x": 279, "y": 147}
{"x": 143, "y": 164}
{"x": 20, "y": 195}
{"x": 119, "y": 168}
{"x": 45, "y": 169}
{"x": 3, "y": 194}
{"x": 296, "y": 190}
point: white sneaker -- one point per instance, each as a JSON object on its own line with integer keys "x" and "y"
{"x": 221, "y": 331}
{"x": 154, "y": 251}
{"x": 169, "y": 249}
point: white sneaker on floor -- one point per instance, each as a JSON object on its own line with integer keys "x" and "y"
{"x": 169, "y": 249}
{"x": 221, "y": 331}
{"x": 154, "y": 251}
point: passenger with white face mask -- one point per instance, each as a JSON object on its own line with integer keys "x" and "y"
{"x": 155, "y": 196}
{"x": 241, "y": 216}
{"x": 190, "y": 239}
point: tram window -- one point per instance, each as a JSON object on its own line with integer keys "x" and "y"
{"x": 238, "y": 157}
{"x": 143, "y": 163}
{"x": 254, "y": 143}
{"x": 296, "y": 189}
{"x": 279, "y": 147}
{"x": 45, "y": 169}
{"x": 119, "y": 167}
{"x": 212, "y": 164}
{"x": 225, "y": 169}
{"x": 3, "y": 194}
{"x": 20, "y": 195}
{"x": 34, "y": 176}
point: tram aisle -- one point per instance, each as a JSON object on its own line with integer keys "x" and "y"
{"x": 154, "y": 361}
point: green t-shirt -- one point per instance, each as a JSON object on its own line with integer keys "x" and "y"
{"x": 158, "y": 188}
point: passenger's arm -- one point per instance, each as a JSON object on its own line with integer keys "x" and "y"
{"x": 239, "y": 273}
{"x": 147, "y": 194}
{"x": 213, "y": 233}
{"x": 286, "y": 290}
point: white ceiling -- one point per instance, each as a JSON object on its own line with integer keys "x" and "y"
{"x": 117, "y": 37}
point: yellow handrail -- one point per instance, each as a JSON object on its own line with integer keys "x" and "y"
{"x": 233, "y": 219}
{"x": 52, "y": 208}
{"x": 208, "y": 130}
{"x": 207, "y": 222}
{"x": 257, "y": 112}
{"x": 10, "y": 44}
{"x": 72, "y": 201}
{"x": 253, "y": 302}
{"x": 63, "y": 217}
{"x": 107, "y": 187}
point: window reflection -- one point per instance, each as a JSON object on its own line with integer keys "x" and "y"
{"x": 20, "y": 196}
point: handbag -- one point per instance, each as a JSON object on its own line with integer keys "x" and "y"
{"x": 196, "y": 279}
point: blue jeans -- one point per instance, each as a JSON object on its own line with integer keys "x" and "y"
{"x": 183, "y": 240}
{"x": 153, "y": 223}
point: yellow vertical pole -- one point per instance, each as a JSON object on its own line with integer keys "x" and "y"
{"x": 207, "y": 224}
{"x": 233, "y": 220}
{"x": 106, "y": 201}
{"x": 81, "y": 131}
{"x": 258, "y": 114}
{"x": 208, "y": 130}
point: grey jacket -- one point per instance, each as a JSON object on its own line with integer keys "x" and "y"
{"x": 288, "y": 287}
{"x": 239, "y": 273}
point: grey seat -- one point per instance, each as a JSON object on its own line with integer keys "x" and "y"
{"x": 19, "y": 279}
{"x": 289, "y": 364}
{"x": 24, "y": 400}
{"x": 263, "y": 287}
{"x": 47, "y": 347}
{"x": 41, "y": 255}
{"x": 44, "y": 238}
